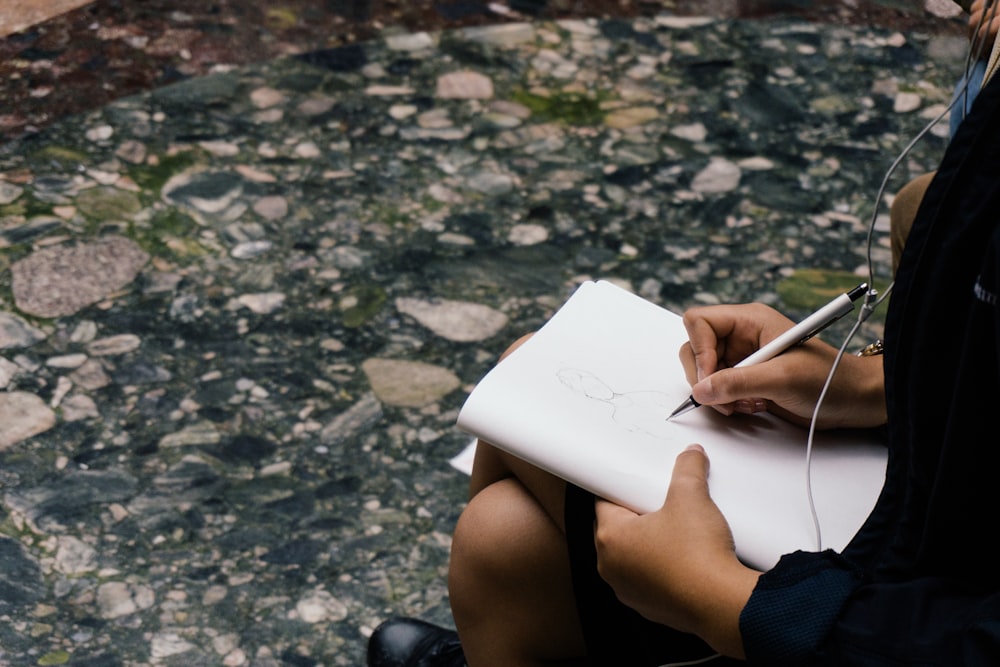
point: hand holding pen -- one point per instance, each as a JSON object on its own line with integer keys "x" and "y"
{"x": 724, "y": 363}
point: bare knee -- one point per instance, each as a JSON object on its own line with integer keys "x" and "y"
{"x": 509, "y": 581}
{"x": 516, "y": 344}
{"x": 494, "y": 519}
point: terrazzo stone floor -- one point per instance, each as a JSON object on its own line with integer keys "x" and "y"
{"x": 239, "y": 314}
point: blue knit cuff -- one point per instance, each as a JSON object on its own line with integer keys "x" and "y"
{"x": 794, "y": 606}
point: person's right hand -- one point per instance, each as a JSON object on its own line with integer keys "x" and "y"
{"x": 788, "y": 385}
{"x": 984, "y": 23}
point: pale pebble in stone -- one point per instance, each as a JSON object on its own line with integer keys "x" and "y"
{"x": 240, "y": 578}
{"x": 308, "y": 150}
{"x": 100, "y": 133}
{"x": 104, "y": 177}
{"x": 831, "y": 104}
{"x": 943, "y": 8}
{"x": 244, "y": 231}
{"x": 332, "y": 345}
{"x": 555, "y": 64}
{"x": 501, "y": 120}
{"x": 458, "y": 321}
{"x": 272, "y": 207}
{"x": 316, "y": 106}
{"x": 318, "y": 606}
{"x": 509, "y": 108}
{"x": 641, "y": 71}
{"x": 906, "y": 102}
{"x": 683, "y": 22}
{"x": 90, "y": 375}
{"x": 416, "y": 41}
{"x": 235, "y": 658}
{"x": 114, "y": 599}
{"x": 15, "y": 332}
{"x": 114, "y": 345}
{"x": 84, "y": 332}
{"x": 633, "y": 117}
{"x": 402, "y": 111}
{"x": 74, "y": 556}
{"x": 896, "y": 40}
{"x": 23, "y": 416}
{"x": 166, "y": 644}
{"x": 255, "y": 175}
{"x": 63, "y": 385}
{"x": 756, "y": 163}
{"x": 200, "y": 433}
{"x": 435, "y": 119}
{"x": 266, "y": 97}
{"x": 211, "y": 192}
{"x": 694, "y": 132}
{"x": 507, "y": 34}
{"x": 408, "y": 383}
{"x": 583, "y": 27}
{"x": 263, "y": 303}
{"x": 720, "y": 175}
{"x": 451, "y": 238}
{"x": 245, "y": 384}
{"x": 214, "y": 595}
{"x": 220, "y": 148}
{"x": 358, "y": 418}
{"x": 528, "y": 234}
{"x": 9, "y": 192}
{"x": 8, "y": 371}
{"x": 388, "y": 91}
{"x": 79, "y": 407}
{"x": 66, "y": 361}
{"x": 117, "y": 598}
{"x": 274, "y": 469}
{"x": 935, "y": 111}
{"x": 438, "y": 134}
{"x": 492, "y": 184}
{"x": 225, "y": 643}
{"x": 444, "y": 194}
{"x": 269, "y": 115}
{"x": 61, "y": 280}
{"x": 464, "y": 85}
{"x": 250, "y": 249}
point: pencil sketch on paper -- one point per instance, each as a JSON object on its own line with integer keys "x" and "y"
{"x": 642, "y": 411}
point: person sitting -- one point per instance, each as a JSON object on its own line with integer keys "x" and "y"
{"x": 543, "y": 573}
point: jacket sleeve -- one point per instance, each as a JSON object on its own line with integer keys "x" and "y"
{"x": 813, "y": 609}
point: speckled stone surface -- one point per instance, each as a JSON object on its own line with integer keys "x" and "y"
{"x": 230, "y": 445}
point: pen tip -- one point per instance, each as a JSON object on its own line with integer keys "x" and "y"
{"x": 686, "y": 406}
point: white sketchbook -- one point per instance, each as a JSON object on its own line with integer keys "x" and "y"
{"x": 587, "y": 398}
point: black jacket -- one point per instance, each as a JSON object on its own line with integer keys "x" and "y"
{"x": 920, "y": 583}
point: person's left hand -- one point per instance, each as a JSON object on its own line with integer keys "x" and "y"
{"x": 677, "y": 566}
{"x": 983, "y": 27}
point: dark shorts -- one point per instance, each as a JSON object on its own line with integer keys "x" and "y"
{"x": 615, "y": 634}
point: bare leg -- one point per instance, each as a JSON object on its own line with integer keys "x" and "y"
{"x": 509, "y": 582}
{"x": 509, "y": 579}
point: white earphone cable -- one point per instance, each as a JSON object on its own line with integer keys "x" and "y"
{"x": 873, "y": 299}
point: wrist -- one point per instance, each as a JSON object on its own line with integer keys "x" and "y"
{"x": 718, "y": 616}
{"x": 869, "y": 388}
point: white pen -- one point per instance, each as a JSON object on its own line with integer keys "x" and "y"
{"x": 797, "y": 335}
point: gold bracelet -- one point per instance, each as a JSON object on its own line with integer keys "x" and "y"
{"x": 872, "y": 349}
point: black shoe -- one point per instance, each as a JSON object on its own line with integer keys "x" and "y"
{"x": 408, "y": 642}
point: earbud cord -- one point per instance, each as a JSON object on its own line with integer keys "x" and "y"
{"x": 872, "y": 298}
